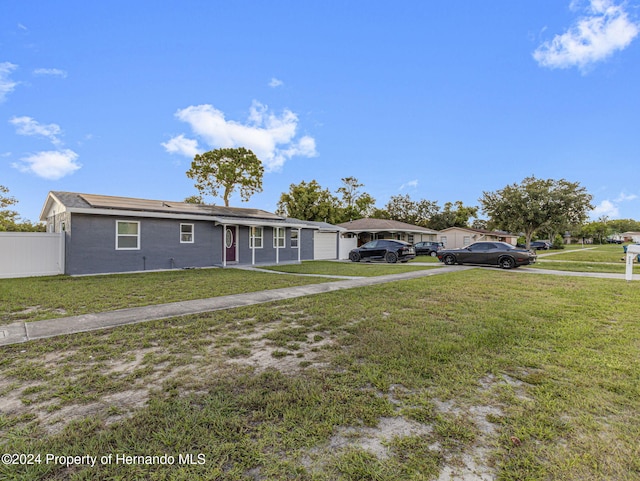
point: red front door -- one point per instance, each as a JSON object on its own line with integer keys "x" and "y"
{"x": 230, "y": 243}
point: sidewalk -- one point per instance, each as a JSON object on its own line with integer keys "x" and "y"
{"x": 27, "y": 331}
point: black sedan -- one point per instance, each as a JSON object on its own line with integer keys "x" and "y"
{"x": 384, "y": 250}
{"x": 490, "y": 253}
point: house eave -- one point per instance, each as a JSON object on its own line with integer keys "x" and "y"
{"x": 168, "y": 215}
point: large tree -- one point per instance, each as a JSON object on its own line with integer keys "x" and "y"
{"x": 7, "y": 217}
{"x": 536, "y": 205}
{"x": 452, "y": 215}
{"x": 10, "y": 220}
{"x": 225, "y": 170}
{"x": 402, "y": 208}
{"x": 309, "y": 201}
{"x": 354, "y": 204}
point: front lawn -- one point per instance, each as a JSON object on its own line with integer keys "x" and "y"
{"x": 356, "y": 269}
{"x": 36, "y": 298}
{"x": 604, "y": 258}
{"x": 510, "y": 377}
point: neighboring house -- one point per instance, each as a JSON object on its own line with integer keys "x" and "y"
{"x": 631, "y": 236}
{"x": 119, "y": 234}
{"x": 456, "y": 237}
{"x": 369, "y": 229}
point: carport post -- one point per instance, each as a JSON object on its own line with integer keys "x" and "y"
{"x": 224, "y": 245}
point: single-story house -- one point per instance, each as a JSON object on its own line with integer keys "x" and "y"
{"x": 456, "y": 237}
{"x": 368, "y": 229}
{"x": 630, "y": 236}
{"x": 106, "y": 234}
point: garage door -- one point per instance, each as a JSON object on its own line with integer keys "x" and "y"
{"x": 325, "y": 245}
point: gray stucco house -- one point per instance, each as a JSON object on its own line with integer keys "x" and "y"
{"x": 106, "y": 234}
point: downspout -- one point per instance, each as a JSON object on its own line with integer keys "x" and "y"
{"x": 277, "y": 239}
{"x": 299, "y": 243}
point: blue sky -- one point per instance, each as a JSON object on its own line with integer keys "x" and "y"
{"x": 438, "y": 100}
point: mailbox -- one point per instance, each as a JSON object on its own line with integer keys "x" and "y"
{"x": 633, "y": 250}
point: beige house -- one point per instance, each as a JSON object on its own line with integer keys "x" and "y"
{"x": 368, "y": 229}
{"x": 631, "y": 236}
{"x": 456, "y": 237}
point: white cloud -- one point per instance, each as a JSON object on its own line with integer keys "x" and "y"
{"x": 181, "y": 145}
{"x": 53, "y": 72}
{"x": 6, "y": 84}
{"x": 51, "y": 165}
{"x": 625, "y": 197}
{"x": 605, "y": 208}
{"x": 275, "y": 83}
{"x": 28, "y": 126}
{"x": 411, "y": 183}
{"x": 605, "y": 29}
{"x": 271, "y": 137}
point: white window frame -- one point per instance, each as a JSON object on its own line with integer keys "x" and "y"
{"x": 295, "y": 241}
{"x": 279, "y": 234}
{"x": 253, "y": 237}
{"x": 192, "y": 234}
{"x": 137, "y": 236}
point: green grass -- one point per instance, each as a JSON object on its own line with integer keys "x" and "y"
{"x": 356, "y": 269}
{"x": 604, "y": 258}
{"x": 597, "y": 253}
{"x": 38, "y": 298}
{"x": 536, "y": 377}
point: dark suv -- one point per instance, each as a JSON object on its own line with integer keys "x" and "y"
{"x": 428, "y": 248}
{"x": 387, "y": 250}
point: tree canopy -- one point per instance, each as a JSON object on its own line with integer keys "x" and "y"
{"x": 10, "y": 220}
{"x": 309, "y": 201}
{"x": 537, "y": 204}
{"x": 225, "y": 170}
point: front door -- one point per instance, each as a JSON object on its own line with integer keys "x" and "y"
{"x": 230, "y": 235}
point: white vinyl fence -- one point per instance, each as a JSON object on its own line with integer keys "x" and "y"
{"x": 25, "y": 254}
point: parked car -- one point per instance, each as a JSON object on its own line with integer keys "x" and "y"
{"x": 612, "y": 240}
{"x": 383, "y": 249}
{"x": 428, "y": 248}
{"x": 489, "y": 253}
{"x": 540, "y": 245}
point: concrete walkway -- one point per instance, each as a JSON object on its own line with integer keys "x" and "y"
{"x": 26, "y": 331}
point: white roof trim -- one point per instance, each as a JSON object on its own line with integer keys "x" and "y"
{"x": 168, "y": 215}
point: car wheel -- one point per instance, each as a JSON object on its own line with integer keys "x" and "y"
{"x": 449, "y": 260}
{"x": 354, "y": 257}
{"x": 391, "y": 257}
{"x": 507, "y": 263}
{"x": 433, "y": 253}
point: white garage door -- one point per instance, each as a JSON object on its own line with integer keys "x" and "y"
{"x": 324, "y": 245}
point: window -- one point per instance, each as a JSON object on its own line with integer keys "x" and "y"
{"x": 443, "y": 239}
{"x": 466, "y": 240}
{"x": 255, "y": 237}
{"x": 186, "y": 233}
{"x": 410, "y": 238}
{"x": 294, "y": 238}
{"x": 127, "y": 235}
{"x": 278, "y": 237}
